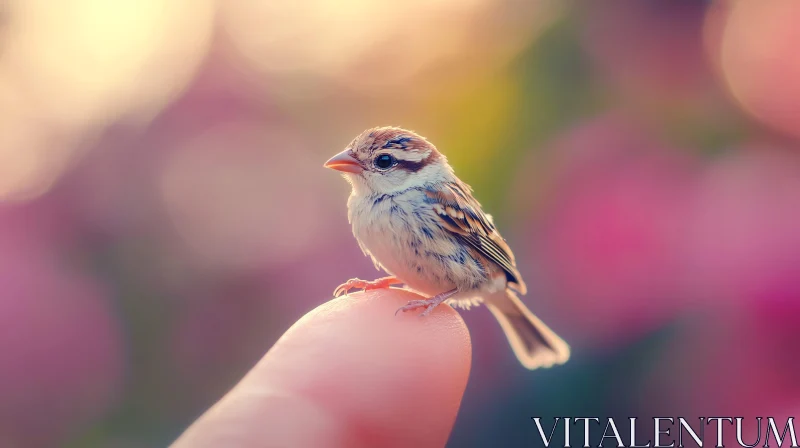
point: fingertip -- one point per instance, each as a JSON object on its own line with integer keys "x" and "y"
{"x": 396, "y": 380}
{"x": 388, "y": 380}
{"x": 349, "y": 374}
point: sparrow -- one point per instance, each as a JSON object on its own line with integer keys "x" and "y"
{"x": 422, "y": 225}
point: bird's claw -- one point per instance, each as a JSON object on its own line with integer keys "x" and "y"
{"x": 345, "y": 287}
{"x": 429, "y": 305}
{"x": 356, "y": 283}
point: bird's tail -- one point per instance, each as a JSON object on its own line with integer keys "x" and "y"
{"x": 534, "y": 343}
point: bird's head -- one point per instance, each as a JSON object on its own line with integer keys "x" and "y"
{"x": 386, "y": 160}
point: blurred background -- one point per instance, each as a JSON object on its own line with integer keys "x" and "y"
{"x": 164, "y": 213}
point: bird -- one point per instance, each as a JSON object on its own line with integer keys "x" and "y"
{"x": 423, "y": 226}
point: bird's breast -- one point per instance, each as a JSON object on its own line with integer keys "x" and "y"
{"x": 404, "y": 238}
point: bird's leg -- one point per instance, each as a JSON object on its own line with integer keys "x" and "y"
{"x": 428, "y": 304}
{"x": 355, "y": 283}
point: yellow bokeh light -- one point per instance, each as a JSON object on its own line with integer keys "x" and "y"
{"x": 29, "y": 165}
{"x": 759, "y": 61}
{"x": 370, "y": 45}
{"x": 90, "y": 61}
{"x": 70, "y": 68}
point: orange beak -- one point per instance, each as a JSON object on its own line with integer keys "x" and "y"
{"x": 344, "y": 162}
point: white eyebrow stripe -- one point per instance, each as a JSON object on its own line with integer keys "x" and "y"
{"x": 412, "y": 156}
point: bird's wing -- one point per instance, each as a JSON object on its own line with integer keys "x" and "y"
{"x": 461, "y": 214}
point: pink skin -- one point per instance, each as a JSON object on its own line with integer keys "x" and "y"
{"x": 348, "y": 374}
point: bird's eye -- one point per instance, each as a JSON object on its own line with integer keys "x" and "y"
{"x": 384, "y": 161}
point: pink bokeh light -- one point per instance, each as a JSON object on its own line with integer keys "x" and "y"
{"x": 62, "y": 346}
{"x": 614, "y": 215}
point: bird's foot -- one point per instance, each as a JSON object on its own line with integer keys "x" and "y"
{"x": 355, "y": 283}
{"x": 428, "y": 304}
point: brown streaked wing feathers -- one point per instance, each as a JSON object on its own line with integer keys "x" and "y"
{"x": 461, "y": 214}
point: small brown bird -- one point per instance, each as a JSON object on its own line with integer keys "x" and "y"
{"x": 422, "y": 225}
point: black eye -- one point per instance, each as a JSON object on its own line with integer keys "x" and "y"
{"x": 384, "y": 161}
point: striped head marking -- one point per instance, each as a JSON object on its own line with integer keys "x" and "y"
{"x": 393, "y": 158}
{"x": 406, "y": 150}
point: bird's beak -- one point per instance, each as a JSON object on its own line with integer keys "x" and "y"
{"x": 344, "y": 162}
